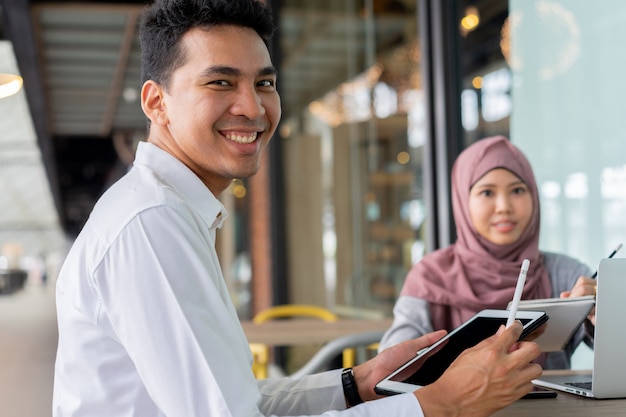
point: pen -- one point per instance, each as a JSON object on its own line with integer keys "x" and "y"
{"x": 617, "y": 248}
{"x": 517, "y": 296}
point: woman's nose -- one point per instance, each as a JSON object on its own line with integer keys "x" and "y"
{"x": 503, "y": 203}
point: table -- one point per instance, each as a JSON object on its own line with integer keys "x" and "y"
{"x": 565, "y": 405}
{"x": 300, "y": 331}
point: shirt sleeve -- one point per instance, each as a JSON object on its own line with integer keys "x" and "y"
{"x": 318, "y": 393}
{"x": 411, "y": 319}
{"x": 163, "y": 298}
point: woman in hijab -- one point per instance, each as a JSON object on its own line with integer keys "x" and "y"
{"x": 496, "y": 209}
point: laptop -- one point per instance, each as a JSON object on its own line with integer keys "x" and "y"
{"x": 608, "y": 377}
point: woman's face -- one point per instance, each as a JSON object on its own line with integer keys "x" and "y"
{"x": 500, "y": 206}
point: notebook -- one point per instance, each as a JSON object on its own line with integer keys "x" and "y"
{"x": 566, "y": 316}
{"x": 608, "y": 376}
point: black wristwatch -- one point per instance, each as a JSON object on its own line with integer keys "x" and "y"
{"x": 350, "y": 390}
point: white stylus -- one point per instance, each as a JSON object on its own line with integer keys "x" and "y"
{"x": 517, "y": 296}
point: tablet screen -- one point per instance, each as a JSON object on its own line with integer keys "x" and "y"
{"x": 430, "y": 363}
{"x": 429, "y": 367}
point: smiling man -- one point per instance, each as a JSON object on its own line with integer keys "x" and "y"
{"x": 219, "y": 109}
{"x": 146, "y": 324}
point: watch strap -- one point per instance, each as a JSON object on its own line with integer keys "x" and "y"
{"x": 350, "y": 390}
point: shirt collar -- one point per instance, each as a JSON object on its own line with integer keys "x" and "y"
{"x": 184, "y": 180}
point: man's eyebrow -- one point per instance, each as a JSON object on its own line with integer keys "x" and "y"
{"x": 268, "y": 71}
{"x": 221, "y": 70}
{"x": 232, "y": 71}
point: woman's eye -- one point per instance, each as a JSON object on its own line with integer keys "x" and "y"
{"x": 486, "y": 193}
{"x": 519, "y": 190}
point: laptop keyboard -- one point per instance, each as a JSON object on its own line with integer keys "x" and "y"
{"x": 583, "y": 385}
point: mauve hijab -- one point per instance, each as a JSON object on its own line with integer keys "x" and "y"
{"x": 473, "y": 273}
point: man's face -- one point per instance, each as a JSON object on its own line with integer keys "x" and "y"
{"x": 221, "y": 107}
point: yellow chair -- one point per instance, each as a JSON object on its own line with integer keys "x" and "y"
{"x": 294, "y": 310}
{"x": 260, "y": 352}
{"x": 261, "y": 359}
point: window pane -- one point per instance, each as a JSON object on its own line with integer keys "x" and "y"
{"x": 353, "y": 127}
{"x": 486, "y": 103}
{"x": 569, "y": 119}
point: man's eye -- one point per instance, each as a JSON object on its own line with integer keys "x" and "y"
{"x": 266, "y": 83}
{"x": 222, "y": 83}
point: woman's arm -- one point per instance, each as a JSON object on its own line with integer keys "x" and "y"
{"x": 411, "y": 320}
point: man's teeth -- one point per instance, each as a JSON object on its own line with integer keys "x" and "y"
{"x": 242, "y": 139}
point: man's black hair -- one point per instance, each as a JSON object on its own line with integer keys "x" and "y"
{"x": 164, "y": 23}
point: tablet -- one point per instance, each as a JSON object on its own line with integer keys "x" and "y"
{"x": 432, "y": 361}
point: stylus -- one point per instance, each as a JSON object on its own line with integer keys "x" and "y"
{"x": 617, "y": 248}
{"x": 517, "y": 296}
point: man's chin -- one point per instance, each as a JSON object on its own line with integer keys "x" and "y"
{"x": 247, "y": 173}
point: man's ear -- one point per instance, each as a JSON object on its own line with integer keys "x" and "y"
{"x": 153, "y": 103}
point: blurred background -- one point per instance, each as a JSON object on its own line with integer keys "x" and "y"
{"x": 379, "y": 96}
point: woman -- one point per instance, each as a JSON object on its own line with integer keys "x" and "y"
{"x": 496, "y": 210}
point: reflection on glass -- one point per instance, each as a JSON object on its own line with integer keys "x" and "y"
{"x": 486, "y": 81}
{"x": 569, "y": 117}
{"x": 496, "y": 98}
{"x": 576, "y": 186}
{"x": 359, "y": 104}
{"x": 469, "y": 109}
{"x": 613, "y": 183}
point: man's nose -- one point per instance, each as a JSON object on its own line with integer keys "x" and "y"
{"x": 248, "y": 103}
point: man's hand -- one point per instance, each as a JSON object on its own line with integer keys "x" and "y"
{"x": 485, "y": 378}
{"x": 368, "y": 374}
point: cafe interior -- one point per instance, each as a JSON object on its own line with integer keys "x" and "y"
{"x": 378, "y": 99}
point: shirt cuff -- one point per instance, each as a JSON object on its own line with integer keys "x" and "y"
{"x": 400, "y": 405}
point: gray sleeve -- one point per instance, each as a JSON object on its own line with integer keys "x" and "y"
{"x": 411, "y": 319}
{"x": 563, "y": 271}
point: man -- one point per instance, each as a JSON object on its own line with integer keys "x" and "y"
{"x": 146, "y": 326}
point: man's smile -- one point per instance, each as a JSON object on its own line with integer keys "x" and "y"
{"x": 241, "y": 137}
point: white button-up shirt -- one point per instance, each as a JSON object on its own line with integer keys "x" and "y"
{"x": 146, "y": 324}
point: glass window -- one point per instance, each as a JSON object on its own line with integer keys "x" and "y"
{"x": 567, "y": 58}
{"x": 353, "y": 130}
{"x": 486, "y": 103}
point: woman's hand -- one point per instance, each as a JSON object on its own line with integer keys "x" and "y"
{"x": 583, "y": 286}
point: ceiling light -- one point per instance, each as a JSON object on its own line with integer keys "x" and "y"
{"x": 130, "y": 94}
{"x": 471, "y": 20}
{"x": 9, "y": 84}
